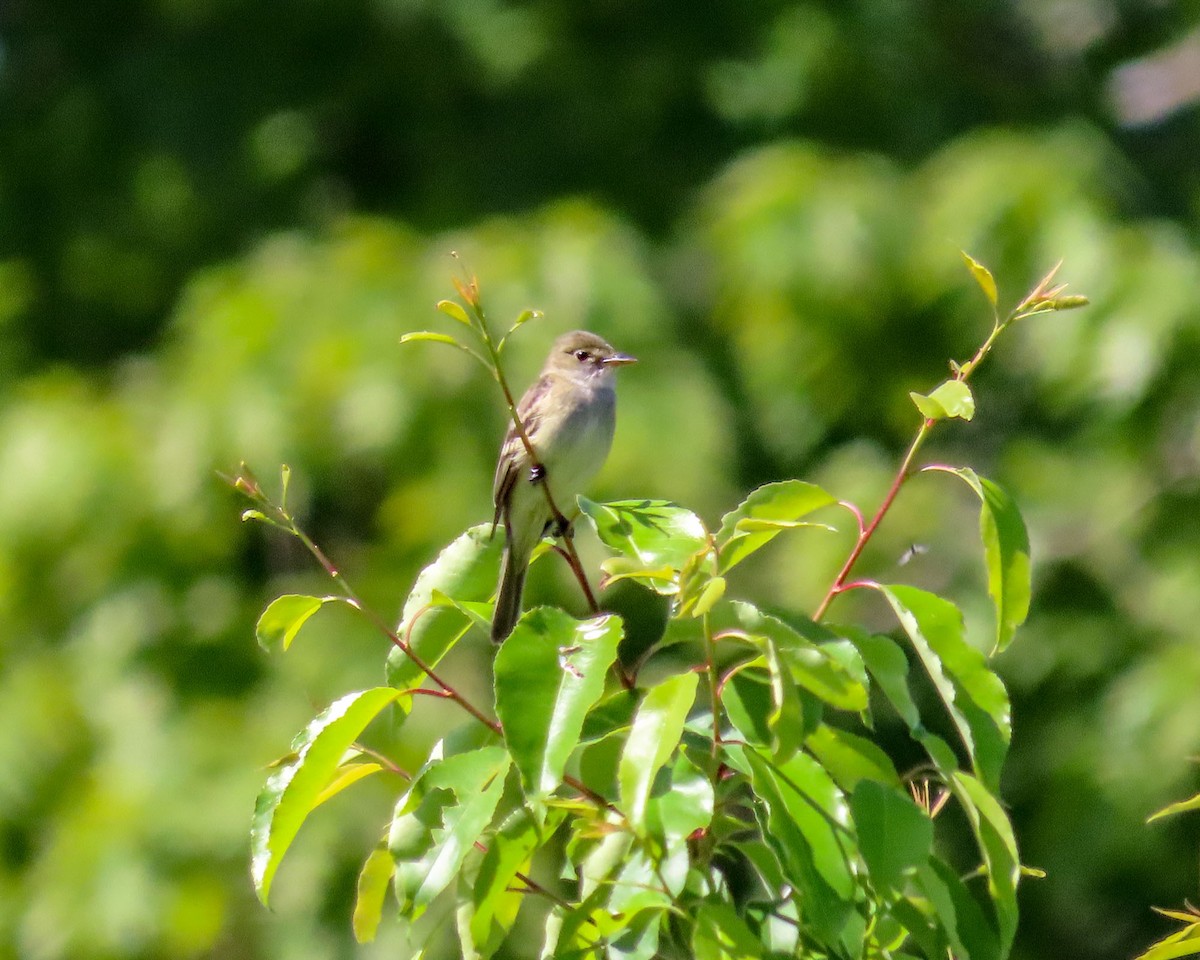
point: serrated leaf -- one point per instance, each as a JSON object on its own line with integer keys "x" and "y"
{"x": 548, "y": 675}
{"x": 972, "y": 693}
{"x": 653, "y": 737}
{"x": 283, "y": 618}
{"x": 763, "y": 515}
{"x": 952, "y": 399}
{"x": 1006, "y": 553}
{"x": 373, "y": 882}
{"x": 651, "y": 534}
{"x": 983, "y": 277}
{"x": 466, "y": 572}
{"x": 291, "y": 791}
{"x": 894, "y": 834}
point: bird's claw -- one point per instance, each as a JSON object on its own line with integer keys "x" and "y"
{"x": 537, "y": 473}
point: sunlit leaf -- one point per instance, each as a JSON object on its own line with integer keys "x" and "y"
{"x": 653, "y": 737}
{"x": 614, "y": 712}
{"x": 548, "y": 675}
{"x": 812, "y": 666}
{"x": 952, "y": 399}
{"x": 802, "y": 805}
{"x": 493, "y": 902}
{"x": 850, "y": 758}
{"x": 439, "y": 819}
{"x": 465, "y": 571}
{"x": 686, "y": 806}
{"x": 994, "y": 833}
{"x": 291, "y": 791}
{"x": 983, "y": 277}
{"x": 373, "y": 882}
{"x": 972, "y": 693}
{"x": 1183, "y": 806}
{"x": 430, "y": 336}
{"x": 1006, "y": 553}
{"x": 651, "y": 534}
{"x": 763, "y": 515}
{"x": 455, "y": 310}
{"x": 283, "y": 618}
{"x": 720, "y": 934}
{"x": 345, "y": 775}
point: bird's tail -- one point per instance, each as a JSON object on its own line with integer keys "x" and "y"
{"x": 508, "y": 595}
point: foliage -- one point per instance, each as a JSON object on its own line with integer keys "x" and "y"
{"x": 749, "y": 815}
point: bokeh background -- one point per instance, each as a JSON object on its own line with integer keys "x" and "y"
{"x": 218, "y": 216}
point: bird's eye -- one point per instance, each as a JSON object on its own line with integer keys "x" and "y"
{"x": 582, "y": 356}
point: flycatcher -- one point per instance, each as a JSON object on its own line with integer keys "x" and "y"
{"x": 569, "y": 414}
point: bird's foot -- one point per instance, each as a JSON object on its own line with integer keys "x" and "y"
{"x": 537, "y": 473}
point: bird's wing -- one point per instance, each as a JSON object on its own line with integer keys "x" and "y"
{"x": 513, "y": 456}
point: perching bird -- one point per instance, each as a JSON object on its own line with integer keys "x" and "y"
{"x": 569, "y": 414}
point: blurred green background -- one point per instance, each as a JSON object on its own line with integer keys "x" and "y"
{"x": 218, "y": 216}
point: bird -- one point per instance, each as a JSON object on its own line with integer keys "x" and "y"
{"x": 569, "y": 415}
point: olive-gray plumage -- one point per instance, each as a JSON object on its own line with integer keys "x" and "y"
{"x": 569, "y": 414}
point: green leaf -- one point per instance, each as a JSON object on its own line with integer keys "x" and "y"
{"x": 437, "y": 821}
{"x": 951, "y": 399}
{"x": 373, "y": 882}
{"x": 291, "y": 791}
{"x": 493, "y": 904}
{"x": 962, "y": 920}
{"x": 1182, "y": 943}
{"x": 747, "y": 700}
{"x": 432, "y": 337}
{"x": 803, "y": 823}
{"x": 850, "y": 758}
{"x": 1183, "y": 806}
{"x": 993, "y": 831}
{"x": 652, "y": 739}
{"x": 345, "y": 775}
{"x": 1006, "y": 553}
{"x": 886, "y": 662}
{"x": 455, "y": 310}
{"x": 686, "y": 806}
{"x": 894, "y": 834}
{"x": 614, "y": 712}
{"x": 763, "y": 515}
{"x": 548, "y": 675}
{"x": 786, "y": 721}
{"x": 983, "y": 277}
{"x": 650, "y": 535}
{"x": 973, "y": 694}
{"x": 465, "y": 571}
{"x": 283, "y": 618}
{"x": 812, "y": 666}
{"x": 720, "y": 934}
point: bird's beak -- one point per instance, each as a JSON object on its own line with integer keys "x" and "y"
{"x": 619, "y": 359}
